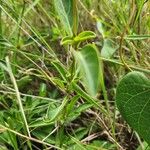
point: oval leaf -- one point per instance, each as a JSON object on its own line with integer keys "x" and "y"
{"x": 67, "y": 11}
{"x": 85, "y": 35}
{"x": 133, "y": 101}
{"x": 88, "y": 63}
{"x": 63, "y": 15}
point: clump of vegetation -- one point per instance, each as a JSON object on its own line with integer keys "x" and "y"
{"x": 74, "y": 74}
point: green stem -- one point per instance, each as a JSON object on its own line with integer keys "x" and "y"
{"x": 1, "y": 51}
{"x": 0, "y": 18}
{"x": 102, "y": 82}
{"x": 75, "y": 17}
{"x": 18, "y": 95}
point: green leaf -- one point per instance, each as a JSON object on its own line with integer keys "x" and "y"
{"x": 53, "y": 113}
{"x": 137, "y": 37}
{"x": 58, "y": 82}
{"x": 67, "y": 12}
{"x": 88, "y": 63}
{"x": 71, "y": 105}
{"x": 42, "y": 90}
{"x": 81, "y": 132}
{"x": 85, "y": 35}
{"x": 109, "y": 48}
{"x": 67, "y": 40}
{"x": 60, "y": 6}
{"x": 4, "y": 42}
{"x": 83, "y": 107}
{"x": 61, "y": 69}
{"x": 83, "y": 94}
{"x": 100, "y": 28}
{"x": 39, "y": 123}
{"x": 11, "y": 135}
{"x": 133, "y": 101}
{"x": 77, "y": 111}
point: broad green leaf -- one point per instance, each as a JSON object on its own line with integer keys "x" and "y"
{"x": 88, "y": 63}
{"x": 85, "y": 35}
{"x": 109, "y": 48}
{"x": 133, "y": 101}
{"x": 61, "y": 10}
{"x": 67, "y": 12}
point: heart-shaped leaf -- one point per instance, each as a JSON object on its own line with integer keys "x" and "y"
{"x": 133, "y": 101}
{"x": 88, "y": 63}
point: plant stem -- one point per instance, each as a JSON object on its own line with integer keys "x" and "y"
{"x": 17, "y": 94}
{"x": 75, "y": 17}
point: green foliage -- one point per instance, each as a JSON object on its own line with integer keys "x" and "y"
{"x": 133, "y": 101}
{"x": 67, "y": 11}
{"x": 60, "y": 62}
{"x": 108, "y": 49}
{"x": 88, "y": 64}
{"x": 83, "y": 36}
